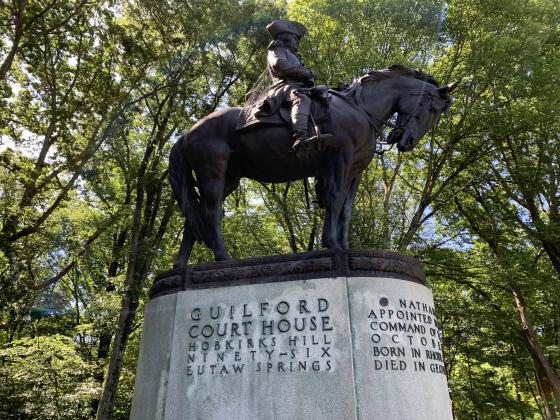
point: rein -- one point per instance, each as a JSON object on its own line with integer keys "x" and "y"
{"x": 371, "y": 119}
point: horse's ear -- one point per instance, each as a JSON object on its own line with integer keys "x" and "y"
{"x": 452, "y": 86}
{"x": 446, "y": 90}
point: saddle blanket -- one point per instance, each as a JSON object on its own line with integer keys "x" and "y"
{"x": 252, "y": 116}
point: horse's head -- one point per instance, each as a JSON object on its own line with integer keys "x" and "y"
{"x": 418, "y": 110}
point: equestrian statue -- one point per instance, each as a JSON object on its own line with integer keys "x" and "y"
{"x": 298, "y": 130}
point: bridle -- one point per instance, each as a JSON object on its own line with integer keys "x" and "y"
{"x": 379, "y": 125}
{"x": 426, "y": 98}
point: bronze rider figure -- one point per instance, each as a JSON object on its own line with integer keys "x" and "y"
{"x": 291, "y": 79}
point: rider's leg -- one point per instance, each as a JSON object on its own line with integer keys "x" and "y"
{"x": 301, "y": 105}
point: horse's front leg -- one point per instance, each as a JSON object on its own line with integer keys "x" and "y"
{"x": 335, "y": 194}
{"x": 346, "y": 213}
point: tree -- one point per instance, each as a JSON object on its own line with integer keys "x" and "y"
{"x": 218, "y": 63}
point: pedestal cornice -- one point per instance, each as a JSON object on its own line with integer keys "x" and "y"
{"x": 300, "y": 266}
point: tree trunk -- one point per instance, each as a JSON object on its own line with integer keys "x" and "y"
{"x": 546, "y": 393}
{"x": 552, "y": 250}
{"x": 146, "y": 207}
{"x": 549, "y": 381}
{"x": 129, "y": 301}
{"x": 546, "y": 375}
{"x": 105, "y": 334}
{"x": 111, "y": 383}
{"x": 18, "y": 33}
{"x": 127, "y": 315}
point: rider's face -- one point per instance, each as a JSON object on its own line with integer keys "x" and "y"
{"x": 290, "y": 40}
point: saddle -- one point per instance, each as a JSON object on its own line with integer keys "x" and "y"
{"x": 250, "y": 117}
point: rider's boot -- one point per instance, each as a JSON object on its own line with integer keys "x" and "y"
{"x": 301, "y": 140}
{"x": 301, "y": 104}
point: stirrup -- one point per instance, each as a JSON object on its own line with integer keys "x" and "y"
{"x": 300, "y": 144}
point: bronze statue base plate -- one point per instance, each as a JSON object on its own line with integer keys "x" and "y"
{"x": 306, "y": 265}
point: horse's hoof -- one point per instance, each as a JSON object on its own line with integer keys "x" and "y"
{"x": 332, "y": 245}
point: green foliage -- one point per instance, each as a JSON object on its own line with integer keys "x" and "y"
{"x": 45, "y": 377}
{"x": 367, "y": 35}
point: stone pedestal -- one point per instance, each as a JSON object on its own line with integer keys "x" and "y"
{"x": 322, "y": 335}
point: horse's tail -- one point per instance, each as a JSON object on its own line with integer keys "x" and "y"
{"x": 183, "y": 185}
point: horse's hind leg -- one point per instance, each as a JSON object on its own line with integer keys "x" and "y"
{"x": 185, "y": 248}
{"x": 211, "y": 187}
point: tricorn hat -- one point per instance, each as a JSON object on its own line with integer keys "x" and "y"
{"x": 281, "y": 26}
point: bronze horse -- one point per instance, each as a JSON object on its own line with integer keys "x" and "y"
{"x": 206, "y": 164}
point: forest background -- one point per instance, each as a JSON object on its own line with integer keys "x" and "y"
{"x": 94, "y": 93}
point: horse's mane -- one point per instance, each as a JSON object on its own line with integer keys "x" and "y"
{"x": 354, "y": 90}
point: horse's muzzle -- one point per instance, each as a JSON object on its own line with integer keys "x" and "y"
{"x": 404, "y": 141}
{"x": 406, "y": 144}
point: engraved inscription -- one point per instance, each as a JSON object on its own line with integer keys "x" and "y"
{"x": 404, "y": 336}
{"x": 278, "y": 336}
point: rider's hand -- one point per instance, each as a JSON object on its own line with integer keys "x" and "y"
{"x": 312, "y": 75}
